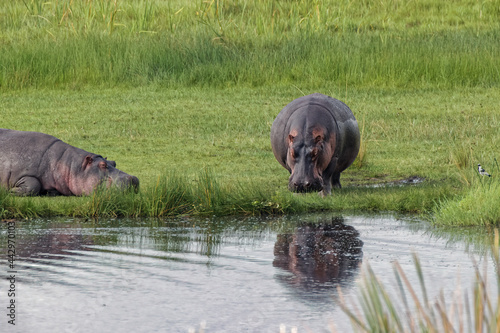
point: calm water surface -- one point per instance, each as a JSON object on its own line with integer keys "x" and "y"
{"x": 227, "y": 275}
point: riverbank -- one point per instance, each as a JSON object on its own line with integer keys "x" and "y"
{"x": 187, "y": 89}
{"x": 222, "y": 136}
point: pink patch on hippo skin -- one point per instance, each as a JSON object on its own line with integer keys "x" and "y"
{"x": 318, "y": 134}
{"x": 291, "y": 136}
{"x": 71, "y": 181}
{"x": 103, "y": 166}
{"x": 60, "y": 179}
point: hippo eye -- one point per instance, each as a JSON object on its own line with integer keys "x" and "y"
{"x": 103, "y": 165}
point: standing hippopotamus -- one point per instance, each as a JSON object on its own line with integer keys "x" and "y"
{"x": 33, "y": 163}
{"x": 315, "y": 138}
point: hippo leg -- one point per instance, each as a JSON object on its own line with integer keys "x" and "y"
{"x": 336, "y": 180}
{"x": 327, "y": 190}
{"x": 27, "y": 186}
{"x": 330, "y": 177}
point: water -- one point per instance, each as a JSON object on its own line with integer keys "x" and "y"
{"x": 223, "y": 275}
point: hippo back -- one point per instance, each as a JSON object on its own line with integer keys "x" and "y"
{"x": 18, "y": 151}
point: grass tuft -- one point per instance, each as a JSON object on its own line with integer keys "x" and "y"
{"x": 174, "y": 195}
{"x": 378, "y": 311}
{"x": 168, "y": 197}
{"x": 477, "y": 206}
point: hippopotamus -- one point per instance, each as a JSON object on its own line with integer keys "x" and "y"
{"x": 319, "y": 252}
{"x": 315, "y": 137}
{"x": 33, "y": 163}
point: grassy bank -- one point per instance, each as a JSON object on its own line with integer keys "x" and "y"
{"x": 173, "y": 195}
{"x": 478, "y": 205}
{"x": 178, "y": 87}
{"x": 154, "y": 133}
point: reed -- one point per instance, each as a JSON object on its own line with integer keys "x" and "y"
{"x": 378, "y": 311}
{"x": 169, "y": 196}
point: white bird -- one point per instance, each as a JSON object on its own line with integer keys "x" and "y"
{"x": 481, "y": 171}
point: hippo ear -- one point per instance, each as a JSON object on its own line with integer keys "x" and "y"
{"x": 113, "y": 163}
{"x": 318, "y": 138}
{"x": 290, "y": 138}
{"x": 87, "y": 161}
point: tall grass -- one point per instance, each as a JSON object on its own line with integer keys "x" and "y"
{"x": 345, "y": 59}
{"x": 174, "y": 195}
{"x": 169, "y": 196}
{"x": 380, "y": 312}
{"x": 222, "y": 43}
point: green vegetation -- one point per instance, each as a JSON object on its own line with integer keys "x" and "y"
{"x": 173, "y": 195}
{"x": 171, "y": 89}
{"x": 249, "y": 43}
{"x": 479, "y": 205}
{"x": 380, "y": 312}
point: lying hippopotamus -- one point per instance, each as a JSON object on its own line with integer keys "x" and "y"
{"x": 315, "y": 138}
{"x": 33, "y": 163}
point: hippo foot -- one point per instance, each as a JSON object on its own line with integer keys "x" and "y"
{"x": 324, "y": 193}
{"x": 27, "y": 186}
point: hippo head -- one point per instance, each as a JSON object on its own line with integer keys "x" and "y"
{"x": 96, "y": 170}
{"x": 307, "y": 157}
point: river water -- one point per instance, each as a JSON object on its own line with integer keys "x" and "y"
{"x": 215, "y": 275}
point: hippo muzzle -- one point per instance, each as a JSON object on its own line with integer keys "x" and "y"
{"x": 304, "y": 184}
{"x": 305, "y": 176}
{"x": 121, "y": 179}
{"x": 128, "y": 182}
{"x": 100, "y": 171}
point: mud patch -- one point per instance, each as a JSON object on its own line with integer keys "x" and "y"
{"x": 378, "y": 182}
{"x": 411, "y": 180}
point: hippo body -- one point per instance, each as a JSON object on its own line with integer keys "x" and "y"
{"x": 33, "y": 163}
{"x": 315, "y": 137}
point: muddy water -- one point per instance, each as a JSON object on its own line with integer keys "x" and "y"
{"x": 223, "y": 275}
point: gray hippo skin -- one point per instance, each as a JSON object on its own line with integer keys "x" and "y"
{"x": 33, "y": 163}
{"x": 315, "y": 138}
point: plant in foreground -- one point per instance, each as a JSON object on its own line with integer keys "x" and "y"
{"x": 381, "y": 313}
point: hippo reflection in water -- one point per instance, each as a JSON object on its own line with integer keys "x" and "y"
{"x": 320, "y": 255}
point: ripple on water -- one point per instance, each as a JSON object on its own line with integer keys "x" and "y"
{"x": 233, "y": 275}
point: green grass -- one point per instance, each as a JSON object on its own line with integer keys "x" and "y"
{"x": 174, "y": 195}
{"x": 353, "y": 59}
{"x": 477, "y": 206}
{"x": 155, "y": 134}
{"x": 252, "y": 43}
{"x": 169, "y": 89}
